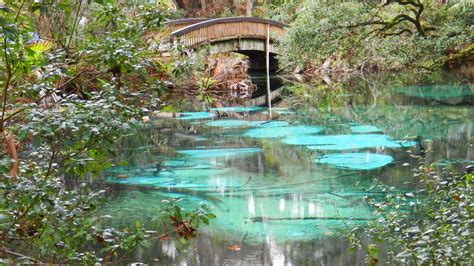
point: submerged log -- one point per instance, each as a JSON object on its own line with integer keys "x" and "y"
{"x": 184, "y": 191}
{"x": 263, "y": 218}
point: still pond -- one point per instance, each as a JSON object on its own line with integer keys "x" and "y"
{"x": 282, "y": 190}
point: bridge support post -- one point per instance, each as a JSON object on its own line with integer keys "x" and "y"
{"x": 267, "y": 63}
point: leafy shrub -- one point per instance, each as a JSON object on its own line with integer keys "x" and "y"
{"x": 369, "y": 37}
{"x": 65, "y": 103}
{"x": 430, "y": 226}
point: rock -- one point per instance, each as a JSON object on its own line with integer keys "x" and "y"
{"x": 326, "y": 79}
{"x": 299, "y": 77}
{"x": 298, "y": 70}
{"x": 165, "y": 114}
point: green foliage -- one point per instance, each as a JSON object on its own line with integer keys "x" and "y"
{"x": 205, "y": 85}
{"x": 430, "y": 226}
{"x": 82, "y": 128}
{"x": 284, "y": 11}
{"x": 369, "y": 37}
{"x": 185, "y": 223}
{"x": 114, "y": 40}
{"x": 319, "y": 97}
{"x": 37, "y": 214}
{"x": 67, "y": 102}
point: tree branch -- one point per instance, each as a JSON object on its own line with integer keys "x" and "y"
{"x": 417, "y": 9}
{"x": 74, "y": 25}
{"x": 42, "y": 97}
{"x": 20, "y": 256}
{"x": 19, "y": 10}
{"x": 85, "y": 147}
{"x": 7, "y": 83}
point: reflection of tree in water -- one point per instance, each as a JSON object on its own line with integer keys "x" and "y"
{"x": 211, "y": 251}
{"x": 377, "y": 103}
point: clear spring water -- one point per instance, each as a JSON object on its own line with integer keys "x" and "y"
{"x": 282, "y": 190}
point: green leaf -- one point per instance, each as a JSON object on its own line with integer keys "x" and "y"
{"x": 205, "y": 220}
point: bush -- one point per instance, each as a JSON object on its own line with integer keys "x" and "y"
{"x": 65, "y": 102}
{"x": 432, "y": 225}
{"x": 370, "y": 37}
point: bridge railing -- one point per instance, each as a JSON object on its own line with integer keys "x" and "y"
{"x": 228, "y": 28}
{"x": 177, "y": 24}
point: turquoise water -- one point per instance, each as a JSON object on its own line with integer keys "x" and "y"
{"x": 356, "y": 161}
{"x": 282, "y": 190}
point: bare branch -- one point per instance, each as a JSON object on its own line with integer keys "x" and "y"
{"x": 20, "y": 256}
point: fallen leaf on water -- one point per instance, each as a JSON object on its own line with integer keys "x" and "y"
{"x": 233, "y": 248}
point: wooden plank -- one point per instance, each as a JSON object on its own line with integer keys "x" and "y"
{"x": 228, "y": 28}
{"x": 209, "y": 22}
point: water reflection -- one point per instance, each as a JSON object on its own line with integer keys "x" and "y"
{"x": 331, "y": 251}
{"x": 282, "y": 191}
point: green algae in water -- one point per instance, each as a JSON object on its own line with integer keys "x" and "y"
{"x": 251, "y": 216}
{"x": 287, "y": 218}
{"x": 281, "y": 111}
{"x": 281, "y": 132}
{"x": 213, "y": 153}
{"x": 233, "y": 123}
{"x": 193, "y": 175}
{"x": 437, "y": 92}
{"x": 365, "y": 129}
{"x": 273, "y": 124}
{"x": 280, "y": 196}
{"x": 346, "y": 142}
{"x": 237, "y": 109}
{"x": 299, "y": 210}
{"x": 356, "y": 161}
{"x": 195, "y": 115}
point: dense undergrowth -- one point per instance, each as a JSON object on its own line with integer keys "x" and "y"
{"x": 432, "y": 225}
{"x": 75, "y": 77}
{"x": 349, "y": 37}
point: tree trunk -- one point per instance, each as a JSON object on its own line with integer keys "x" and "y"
{"x": 249, "y": 8}
{"x": 11, "y": 150}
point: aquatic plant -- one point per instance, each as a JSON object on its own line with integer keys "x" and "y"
{"x": 345, "y": 142}
{"x": 282, "y": 132}
{"x": 213, "y": 153}
{"x": 184, "y": 223}
{"x": 195, "y": 115}
{"x": 356, "y": 161}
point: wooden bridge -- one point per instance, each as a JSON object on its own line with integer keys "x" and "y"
{"x": 245, "y": 35}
